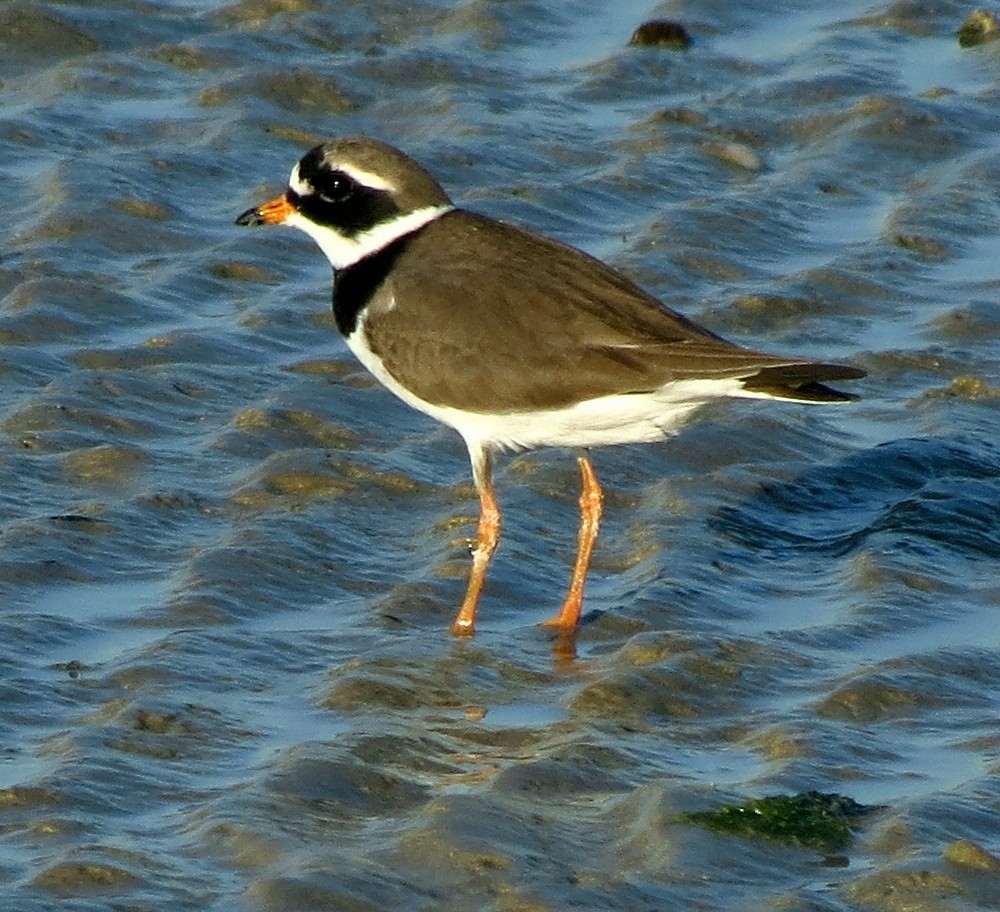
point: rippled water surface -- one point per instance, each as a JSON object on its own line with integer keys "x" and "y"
{"x": 229, "y": 558}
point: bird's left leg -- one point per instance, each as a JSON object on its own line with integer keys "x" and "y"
{"x": 591, "y": 510}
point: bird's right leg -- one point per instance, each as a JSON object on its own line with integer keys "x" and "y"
{"x": 487, "y": 537}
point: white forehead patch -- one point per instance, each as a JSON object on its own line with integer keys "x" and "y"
{"x": 296, "y": 184}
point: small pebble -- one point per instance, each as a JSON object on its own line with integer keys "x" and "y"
{"x": 980, "y": 27}
{"x": 661, "y": 33}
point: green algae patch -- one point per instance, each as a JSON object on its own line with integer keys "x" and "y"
{"x": 815, "y": 820}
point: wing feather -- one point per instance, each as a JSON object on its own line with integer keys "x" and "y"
{"x": 522, "y": 322}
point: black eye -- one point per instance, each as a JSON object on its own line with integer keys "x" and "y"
{"x": 333, "y": 186}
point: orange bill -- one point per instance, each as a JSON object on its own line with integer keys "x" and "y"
{"x": 270, "y": 213}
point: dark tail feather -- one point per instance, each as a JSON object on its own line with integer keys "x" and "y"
{"x": 801, "y": 382}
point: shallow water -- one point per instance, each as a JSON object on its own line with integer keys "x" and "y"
{"x": 229, "y": 558}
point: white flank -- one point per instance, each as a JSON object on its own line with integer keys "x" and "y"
{"x": 344, "y": 251}
{"x": 632, "y": 418}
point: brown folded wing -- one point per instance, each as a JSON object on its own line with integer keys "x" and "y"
{"x": 519, "y": 322}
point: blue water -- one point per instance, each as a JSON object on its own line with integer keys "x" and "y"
{"x": 229, "y": 559}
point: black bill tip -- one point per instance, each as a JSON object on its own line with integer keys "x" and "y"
{"x": 251, "y": 217}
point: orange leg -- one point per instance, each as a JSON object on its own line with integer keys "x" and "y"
{"x": 591, "y": 508}
{"x": 487, "y": 536}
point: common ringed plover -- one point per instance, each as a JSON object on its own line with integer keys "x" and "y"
{"x": 511, "y": 338}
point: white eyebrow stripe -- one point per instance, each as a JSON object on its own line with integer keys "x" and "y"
{"x": 368, "y": 179}
{"x": 365, "y": 178}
